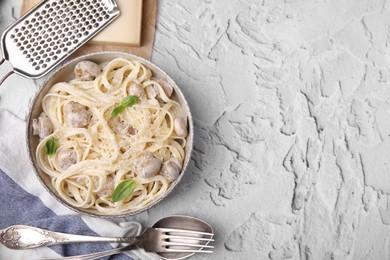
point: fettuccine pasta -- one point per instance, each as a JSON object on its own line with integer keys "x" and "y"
{"x": 96, "y": 150}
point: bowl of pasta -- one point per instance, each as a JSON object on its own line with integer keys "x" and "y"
{"x": 109, "y": 134}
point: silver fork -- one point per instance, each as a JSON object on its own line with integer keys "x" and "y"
{"x": 172, "y": 240}
{"x": 158, "y": 240}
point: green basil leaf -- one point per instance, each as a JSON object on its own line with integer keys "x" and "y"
{"x": 51, "y": 147}
{"x": 117, "y": 111}
{"x": 129, "y": 101}
{"x": 124, "y": 189}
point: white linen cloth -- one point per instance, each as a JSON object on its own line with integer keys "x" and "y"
{"x": 15, "y": 164}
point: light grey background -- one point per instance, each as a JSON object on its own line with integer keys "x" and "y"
{"x": 290, "y": 100}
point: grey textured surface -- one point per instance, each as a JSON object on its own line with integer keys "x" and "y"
{"x": 290, "y": 100}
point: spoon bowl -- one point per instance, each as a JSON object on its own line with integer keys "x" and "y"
{"x": 183, "y": 222}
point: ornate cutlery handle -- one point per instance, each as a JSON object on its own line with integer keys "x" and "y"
{"x": 27, "y": 237}
{"x": 96, "y": 255}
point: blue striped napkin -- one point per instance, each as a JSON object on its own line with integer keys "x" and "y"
{"x": 20, "y": 207}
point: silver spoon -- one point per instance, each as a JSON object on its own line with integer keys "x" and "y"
{"x": 168, "y": 247}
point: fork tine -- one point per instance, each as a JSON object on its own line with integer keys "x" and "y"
{"x": 170, "y": 250}
{"x": 167, "y": 230}
{"x": 185, "y": 244}
{"x": 188, "y": 238}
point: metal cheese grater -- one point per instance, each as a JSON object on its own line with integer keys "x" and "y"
{"x": 51, "y": 31}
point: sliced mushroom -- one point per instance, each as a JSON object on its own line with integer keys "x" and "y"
{"x": 109, "y": 187}
{"x": 137, "y": 90}
{"x": 168, "y": 89}
{"x": 42, "y": 126}
{"x": 181, "y": 126}
{"x": 87, "y": 70}
{"x": 147, "y": 165}
{"x": 120, "y": 127}
{"x": 171, "y": 169}
{"x": 66, "y": 158}
{"x": 76, "y": 115}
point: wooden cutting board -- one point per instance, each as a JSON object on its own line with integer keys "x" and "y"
{"x": 149, "y": 14}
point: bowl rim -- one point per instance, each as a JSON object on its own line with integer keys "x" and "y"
{"x": 28, "y": 132}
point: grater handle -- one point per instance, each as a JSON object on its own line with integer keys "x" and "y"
{"x": 6, "y": 75}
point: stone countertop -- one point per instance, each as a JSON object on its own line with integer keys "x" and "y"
{"x": 291, "y": 107}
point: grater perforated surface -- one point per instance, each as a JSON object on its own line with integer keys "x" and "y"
{"x": 51, "y": 31}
